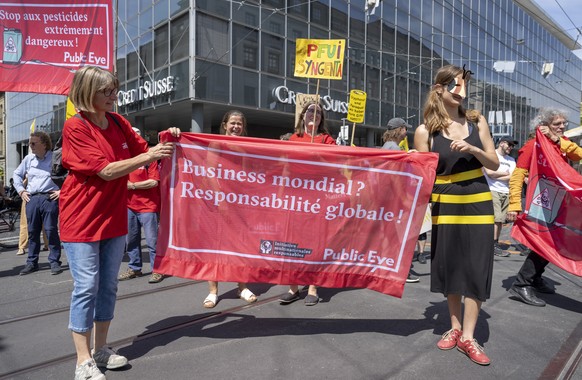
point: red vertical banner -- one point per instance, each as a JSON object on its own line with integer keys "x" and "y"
{"x": 256, "y": 210}
{"x": 551, "y": 224}
{"x": 44, "y": 43}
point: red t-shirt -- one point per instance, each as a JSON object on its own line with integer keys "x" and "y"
{"x": 324, "y": 138}
{"x": 144, "y": 200}
{"x": 90, "y": 208}
{"x": 526, "y": 151}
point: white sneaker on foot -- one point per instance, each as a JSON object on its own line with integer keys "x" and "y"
{"x": 88, "y": 371}
{"x": 106, "y": 357}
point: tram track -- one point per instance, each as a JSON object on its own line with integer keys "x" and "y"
{"x": 131, "y": 339}
{"x": 120, "y": 298}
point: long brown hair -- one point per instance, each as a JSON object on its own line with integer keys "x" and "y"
{"x": 227, "y": 117}
{"x": 436, "y": 117}
{"x": 321, "y": 128}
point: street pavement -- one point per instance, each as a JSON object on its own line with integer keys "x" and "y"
{"x": 351, "y": 334}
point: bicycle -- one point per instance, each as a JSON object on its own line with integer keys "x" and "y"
{"x": 9, "y": 217}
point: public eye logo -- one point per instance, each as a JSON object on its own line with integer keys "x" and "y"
{"x": 124, "y": 146}
{"x": 266, "y": 246}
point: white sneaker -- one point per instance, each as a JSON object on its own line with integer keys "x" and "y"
{"x": 88, "y": 371}
{"x": 106, "y": 357}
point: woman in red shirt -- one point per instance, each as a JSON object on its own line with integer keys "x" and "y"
{"x": 100, "y": 149}
{"x": 311, "y": 127}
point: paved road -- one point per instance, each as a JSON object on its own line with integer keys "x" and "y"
{"x": 352, "y": 334}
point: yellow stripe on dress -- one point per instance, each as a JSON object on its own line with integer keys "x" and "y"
{"x": 461, "y": 199}
{"x": 463, "y": 219}
{"x": 458, "y": 177}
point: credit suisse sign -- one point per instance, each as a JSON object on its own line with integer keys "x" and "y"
{"x": 148, "y": 89}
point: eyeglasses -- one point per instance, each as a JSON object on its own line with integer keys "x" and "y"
{"x": 109, "y": 91}
{"x": 558, "y": 123}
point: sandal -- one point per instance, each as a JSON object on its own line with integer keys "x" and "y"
{"x": 247, "y": 295}
{"x": 311, "y": 300}
{"x": 210, "y": 301}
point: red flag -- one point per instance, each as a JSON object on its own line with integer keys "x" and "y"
{"x": 269, "y": 211}
{"x": 551, "y": 223}
{"x": 44, "y": 43}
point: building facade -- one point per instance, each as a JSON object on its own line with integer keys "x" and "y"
{"x": 184, "y": 63}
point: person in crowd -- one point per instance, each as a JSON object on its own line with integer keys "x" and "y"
{"x": 10, "y": 191}
{"x": 420, "y": 247}
{"x": 498, "y": 181}
{"x": 23, "y": 230}
{"x": 552, "y": 122}
{"x": 310, "y": 127}
{"x": 234, "y": 123}
{"x": 143, "y": 204}
{"x": 41, "y": 196}
{"x": 100, "y": 149}
{"x": 462, "y": 213}
{"x": 396, "y": 132}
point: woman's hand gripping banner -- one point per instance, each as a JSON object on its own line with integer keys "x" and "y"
{"x": 269, "y": 211}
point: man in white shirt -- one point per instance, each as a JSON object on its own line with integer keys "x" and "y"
{"x": 499, "y": 185}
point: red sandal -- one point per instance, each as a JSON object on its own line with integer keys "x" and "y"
{"x": 473, "y": 350}
{"x": 449, "y": 339}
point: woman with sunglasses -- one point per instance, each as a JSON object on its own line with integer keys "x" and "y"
{"x": 310, "y": 127}
{"x": 462, "y": 230}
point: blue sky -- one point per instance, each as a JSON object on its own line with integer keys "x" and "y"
{"x": 570, "y": 22}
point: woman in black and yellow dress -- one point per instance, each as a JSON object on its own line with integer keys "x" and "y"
{"x": 462, "y": 232}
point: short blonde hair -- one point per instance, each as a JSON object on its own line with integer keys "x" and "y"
{"x": 89, "y": 80}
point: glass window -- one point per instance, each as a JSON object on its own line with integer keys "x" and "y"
{"x": 339, "y": 20}
{"x": 179, "y": 46}
{"x": 245, "y": 87}
{"x": 246, "y": 13}
{"x": 212, "y": 38}
{"x": 212, "y": 81}
{"x": 161, "y": 11}
{"x": 132, "y": 62}
{"x": 296, "y": 29}
{"x": 273, "y": 22}
{"x": 120, "y": 65}
{"x": 273, "y": 53}
{"x": 320, "y": 14}
{"x": 145, "y": 20}
{"x": 268, "y": 85}
{"x": 297, "y": 7}
{"x": 221, "y": 8}
{"x": 161, "y": 44}
{"x": 245, "y": 46}
{"x": 277, "y": 4}
{"x": 177, "y": 6}
{"x": 181, "y": 74}
{"x": 146, "y": 54}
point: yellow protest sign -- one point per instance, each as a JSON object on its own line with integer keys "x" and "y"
{"x": 71, "y": 111}
{"x": 357, "y": 106}
{"x": 321, "y": 59}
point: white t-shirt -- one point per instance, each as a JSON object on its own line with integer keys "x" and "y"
{"x": 506, "y": 164}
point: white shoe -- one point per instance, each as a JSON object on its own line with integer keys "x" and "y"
{"x": 106, "y": 357}
{"x": 88, "y": 371}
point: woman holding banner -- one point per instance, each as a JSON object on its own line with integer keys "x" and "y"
{"x": 99, "y": 149}
{"x": 310, "y": 127}
{"x": 233, "y": 123}
{"x": 462, "y": 231}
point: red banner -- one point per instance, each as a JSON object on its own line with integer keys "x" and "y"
{"x": 269, "y": 211}
{"x": 551, "y": 223}
{"x": 43, "y": 43}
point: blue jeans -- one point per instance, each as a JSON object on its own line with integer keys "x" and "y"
{"x": 149, "y": 222}
{"x": 42, "y": 211}
{"x": 94, "y": 267}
